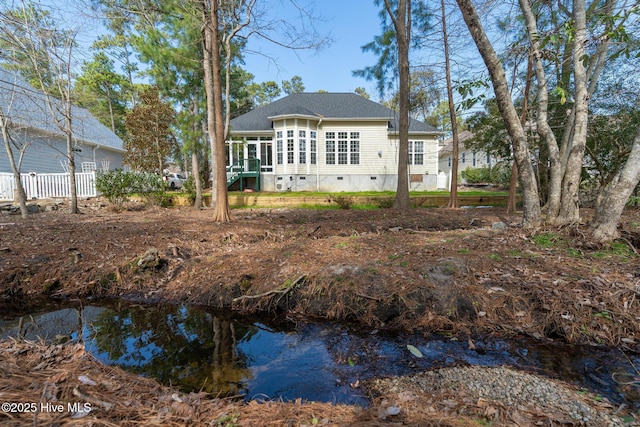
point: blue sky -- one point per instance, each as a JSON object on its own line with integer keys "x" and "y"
{"x": 350, "y": 24}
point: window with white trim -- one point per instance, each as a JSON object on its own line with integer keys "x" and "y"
{"x": 330, "y": 142}
{"x": 416, "y": 152}
{"x": 313, "y": 147}
{"x": 302, "y": 146}
{"x": 279, "y": 148}
{"x": 345, "y": 148}
{"x": 290, "y": 147}
{"x": 354, "y": 148}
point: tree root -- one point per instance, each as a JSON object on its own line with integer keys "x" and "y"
{"x": 272, "y": 292}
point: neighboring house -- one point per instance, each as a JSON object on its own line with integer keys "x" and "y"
{"x": 328, "y": 142}
{"x": 32, "y": 126}
{"x": 467, "y": 158}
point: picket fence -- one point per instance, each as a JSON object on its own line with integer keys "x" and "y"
{"x": 48, "y": 185}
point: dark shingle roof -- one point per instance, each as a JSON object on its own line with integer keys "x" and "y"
{"x": 26, "y": 106}
{"x": 322, "y": 106}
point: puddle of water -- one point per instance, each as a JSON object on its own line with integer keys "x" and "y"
{"x": 197, "y": 349}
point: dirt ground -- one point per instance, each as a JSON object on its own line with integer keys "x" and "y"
{"x": 466, "y": 271}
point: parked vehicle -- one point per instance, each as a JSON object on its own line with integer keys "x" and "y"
{"x": 174, "y": 180}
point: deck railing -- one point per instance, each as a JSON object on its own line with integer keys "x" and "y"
{"x": 48, "y": 185}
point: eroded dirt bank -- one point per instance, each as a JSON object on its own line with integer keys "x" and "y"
{"x": 467, "y": 271}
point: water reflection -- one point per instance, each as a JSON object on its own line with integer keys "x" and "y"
{"x": 196, "y": 349}
{"x": 192, "y": 349}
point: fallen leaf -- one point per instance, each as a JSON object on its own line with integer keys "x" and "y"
{"x": 86, "y": 380}
{"x": 417, "y": 353}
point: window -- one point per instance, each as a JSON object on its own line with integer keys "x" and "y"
{"x": 416, "y": 152}
{"x": 313, "y": 147}
{"x": 330, "y": 141}
{"x": 473, "y": 160}
{"x": 449, "y": 161}
{"x": 345, "y": 149}
{"x": 279, "y": 155}
{"x": 464, "y": 156}
{"x": 290, "y": 147}
{"x": 302, "y": 147}
{"x": 354, "y": 148}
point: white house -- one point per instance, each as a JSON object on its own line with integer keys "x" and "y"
{"x": 327, "y": 142}
{"x": 467, "y": 158}
{"x": 32, "y": 127}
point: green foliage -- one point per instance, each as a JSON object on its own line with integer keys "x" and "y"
{"x": 385, "y": 203}
{"x": 294, "y": 85}
{"x": 547, "y": 240}
{"x": 149, "y": 138}
{"x": 343, "y": 202}
{"x": 189, "y": 187}
{"x": 103, "y": 92}
{"x": 499, "y": 175}
{"x": 118, "y": 186}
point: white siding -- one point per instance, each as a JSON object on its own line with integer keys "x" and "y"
{"x": 378, "y": 159}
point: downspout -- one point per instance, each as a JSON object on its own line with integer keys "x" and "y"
{"x": 317, "y": 155}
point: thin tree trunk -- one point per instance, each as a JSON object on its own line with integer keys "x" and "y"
{"x": 453, "y": 195}
{"x": 19, "y": 191}
{"x": 72, "y": 163}
{"x": 532, "y": 213}
{"x": 512, "y": 202}
{"x": 195, "y": 163}
{"x": 195, "y": 166}
{"x": 110, "y": 101}
{"x": 402, "y": 25}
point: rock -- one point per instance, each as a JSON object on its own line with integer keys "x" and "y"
{"x": 150, "y": 260}
{"x": 498, "y": 225}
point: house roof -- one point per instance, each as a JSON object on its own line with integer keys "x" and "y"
{"x": 446, "y": 146}
{"x": 325, "y": 106}
{"x": 26, "y": 107}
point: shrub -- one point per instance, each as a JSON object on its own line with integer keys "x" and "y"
{"x": 343, "y": 202}
{"x": 189, "y": 187}
{"x": 386, "y": 203}
{"x": 499, "y": 175}
{"x": 117, "y": 186}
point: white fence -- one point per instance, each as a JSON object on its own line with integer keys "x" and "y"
{"x": 48, "y": 185}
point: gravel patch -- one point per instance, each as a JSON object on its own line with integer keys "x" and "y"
{"x": 544, "y": 400}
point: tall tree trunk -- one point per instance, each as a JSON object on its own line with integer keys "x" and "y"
{"x": 569, "y": 205}
{"x": 605, "y": 221}
{"x": 221, "y": 211}
{"x": 453, "y": 195}
{"x": 532, "y": 213}
{"x": 195, "y": 166}
{"x": 19, "y": 192}
{"x": 543, "y": 127}
{"x": 72, "y": 163}
{"x": 402, "y": 25}
{"x": 195, "y": 163}
{"x": 208, "y": 85}
{"x": 110, "y": 102}
{"x": 512, "y": 202}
